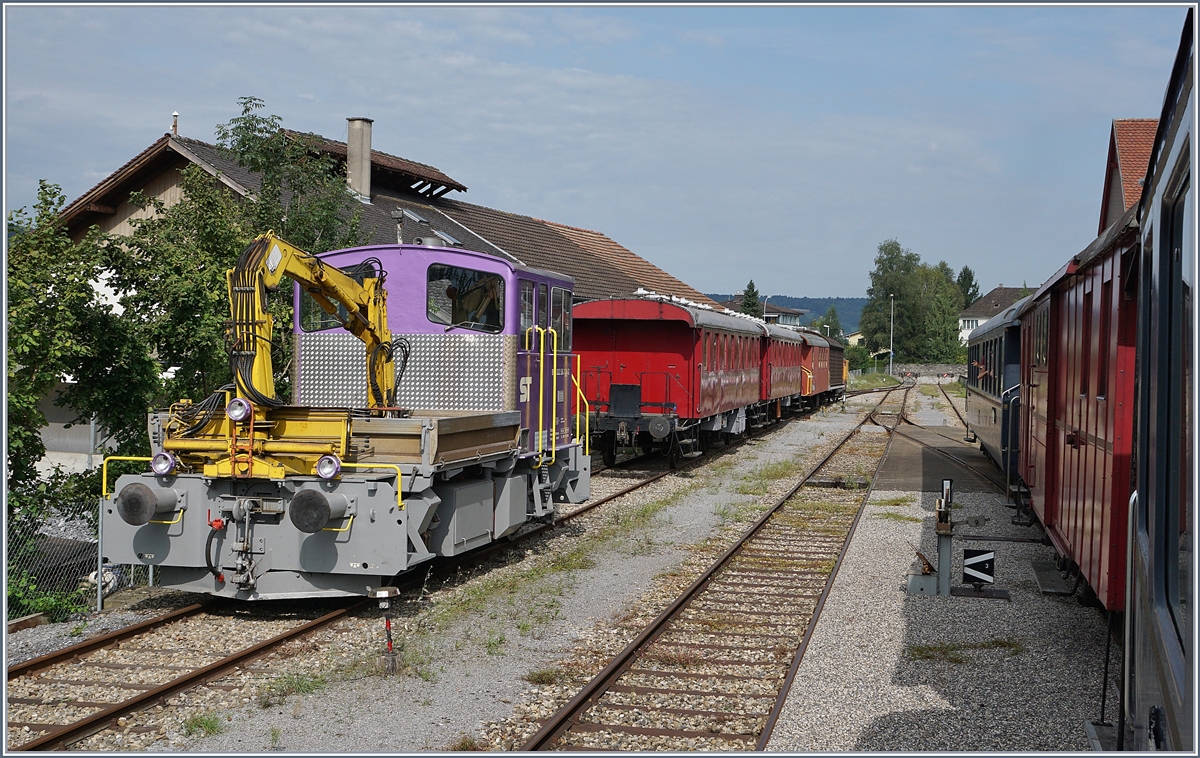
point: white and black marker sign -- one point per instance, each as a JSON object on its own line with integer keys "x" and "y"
{"x": 979, "y": 566}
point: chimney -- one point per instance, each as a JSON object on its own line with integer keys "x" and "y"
{"x": 175, "y": 123}
{"x": 358, "y": 156}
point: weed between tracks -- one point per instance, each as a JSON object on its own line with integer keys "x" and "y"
{"x": 528, "y": 595}
{"x": 890, "y": 516}
{"x": 951, "y": 652}
{"x": 292, "y": 683}
{"x": 206, "y": 724}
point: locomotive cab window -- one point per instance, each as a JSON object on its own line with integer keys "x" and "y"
{"x": 527, "y": 321}
{"x": 561, "y": 311}
{"x": 463, "y": 297}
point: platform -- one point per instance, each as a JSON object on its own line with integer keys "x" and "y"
{"x": 912, "y": 467}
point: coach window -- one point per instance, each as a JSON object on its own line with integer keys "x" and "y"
{"x": 543, "y": 299}
{"x": 562, "y": 318}
{"x": 1178, "y": 431}
{"x": 314, "y": 318}
{"x": 463, "y": 297}
{"x": 1102, "y": 365}
{"x": 1085, "y": 375}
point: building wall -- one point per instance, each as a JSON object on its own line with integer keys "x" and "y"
{"x": 165, "y": 187}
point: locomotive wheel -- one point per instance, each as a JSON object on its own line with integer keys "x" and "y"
{"x": 608, "y": 448}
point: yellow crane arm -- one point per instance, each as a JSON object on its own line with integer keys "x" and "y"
{"x": 261, "y": 267}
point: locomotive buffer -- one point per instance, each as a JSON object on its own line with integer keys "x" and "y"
{"x": 979, "y": 566}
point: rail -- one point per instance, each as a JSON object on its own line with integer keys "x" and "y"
{"x": 550, "y": 734}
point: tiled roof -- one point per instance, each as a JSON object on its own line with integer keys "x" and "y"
{"x": 736, "y": 305}
{"x": 600, "y": 266}
{"x": 994, "y": 302}
{"x": 1134, "y": 138}
{"x": 418, "y": 177}
{"x": 645, "y": 273}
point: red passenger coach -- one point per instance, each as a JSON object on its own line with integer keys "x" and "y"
{"x": 783, "y": 375}
{"x": 1078, "y": 337}
{"x": 661, "y": 373}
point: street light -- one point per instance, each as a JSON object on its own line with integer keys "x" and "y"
{"x": 892, "y": 335}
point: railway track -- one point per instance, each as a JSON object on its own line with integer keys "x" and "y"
{"x": 66, "y": 696}
{"x": 52, "y": 705}
{"x": 952, "y": 405}
{"x": 713, "y": 669}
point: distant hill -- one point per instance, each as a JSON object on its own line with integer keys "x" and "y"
{"x": 848, "y": 308}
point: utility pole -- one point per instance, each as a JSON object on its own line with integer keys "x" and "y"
{"x": 892, "y": 336}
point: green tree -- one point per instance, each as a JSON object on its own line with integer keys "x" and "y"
{"x": 895, "y": 278}
{"x": 830, "y": 319}
{"x": 967, "y": 286}
{"x": 751, "y": 304}
{"x": 858, "y": 357}
{"x": 942, "y": 303}
{"x": 59, "y": 326}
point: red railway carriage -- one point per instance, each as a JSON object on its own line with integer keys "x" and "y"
{"x": 1078, "y": 337}
{"x": 651, "y": 367}
{"x": 782, "y": 375}
{"x": 815, "y": 360}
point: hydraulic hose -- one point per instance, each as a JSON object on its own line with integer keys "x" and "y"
{"x": 217, "y": 525}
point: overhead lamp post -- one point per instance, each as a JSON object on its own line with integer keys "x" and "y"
{"x": 892, "y": 335}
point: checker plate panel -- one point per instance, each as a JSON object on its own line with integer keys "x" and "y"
{"x": 455, "y": 372}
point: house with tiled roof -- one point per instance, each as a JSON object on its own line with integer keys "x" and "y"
{"x": 390, "y": 186}
{"x": 402, "y": 200}
{"x": 1129, "y": 145}
{"x": 987, "y": 306}
{"x": 772, "y": 314}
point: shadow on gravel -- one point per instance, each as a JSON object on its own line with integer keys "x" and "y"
{"x": 1019, "y": 674}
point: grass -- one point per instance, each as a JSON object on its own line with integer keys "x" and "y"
{"x": 757, "y": 482}
{"x": 872, "y": 381}
{"x": 495, "y": 643}
{"x": 292, "y": 683}
{"x": 929, "y": 390}
{"x": 681, "y": 657}
{"x": 550, "y": 675}
{"x": 274, "y": 735}
{"x": 952, "y": 652}
{"x": 77, "y": 630}
{"x": 466, "y": 743}
{"x": 204, "y": 724}
{"x": 889, "y": 516}
{"x": 955, "y": 389}
{"x": 892, "y": 502}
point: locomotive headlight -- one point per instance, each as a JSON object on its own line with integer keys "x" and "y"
{"x": 162, "y": 464}
{"x": 239, "y": 409}
{"x": 328, "y": 466}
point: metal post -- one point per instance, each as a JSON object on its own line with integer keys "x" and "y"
{"x": 92, "y": 442}
{"x": 100, "y": 556}
{"x": 944, "y": 544}
{"x": 892, "y": 335}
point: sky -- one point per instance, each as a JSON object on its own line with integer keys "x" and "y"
{"x": 723, "y": 144}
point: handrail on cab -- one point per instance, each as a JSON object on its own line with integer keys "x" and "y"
{"x": 587, "y": 408}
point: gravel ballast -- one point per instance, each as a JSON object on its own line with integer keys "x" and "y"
{"x": 465, "y": 676}
{"x": 886, "y": 671}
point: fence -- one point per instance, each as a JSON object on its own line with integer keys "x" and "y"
{"x": 53, "y": 564}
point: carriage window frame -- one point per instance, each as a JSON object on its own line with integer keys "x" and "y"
{"x": 528, "y": 301}
{"x": 543, "y": 301}
{"x": 461, "y": 279}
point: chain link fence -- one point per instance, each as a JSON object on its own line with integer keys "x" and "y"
{"x": 53, "y": 564}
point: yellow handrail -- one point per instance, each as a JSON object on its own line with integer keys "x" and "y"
{"x": 399, "y": 479}
{"x": 553, "y": 397}
{"x": 168, "y": 523}
{"x": 104, "y": 469}
{"x": 587, "y": 408}
{"x": 345, "y": 528}
{"x": 541, "y": 392}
